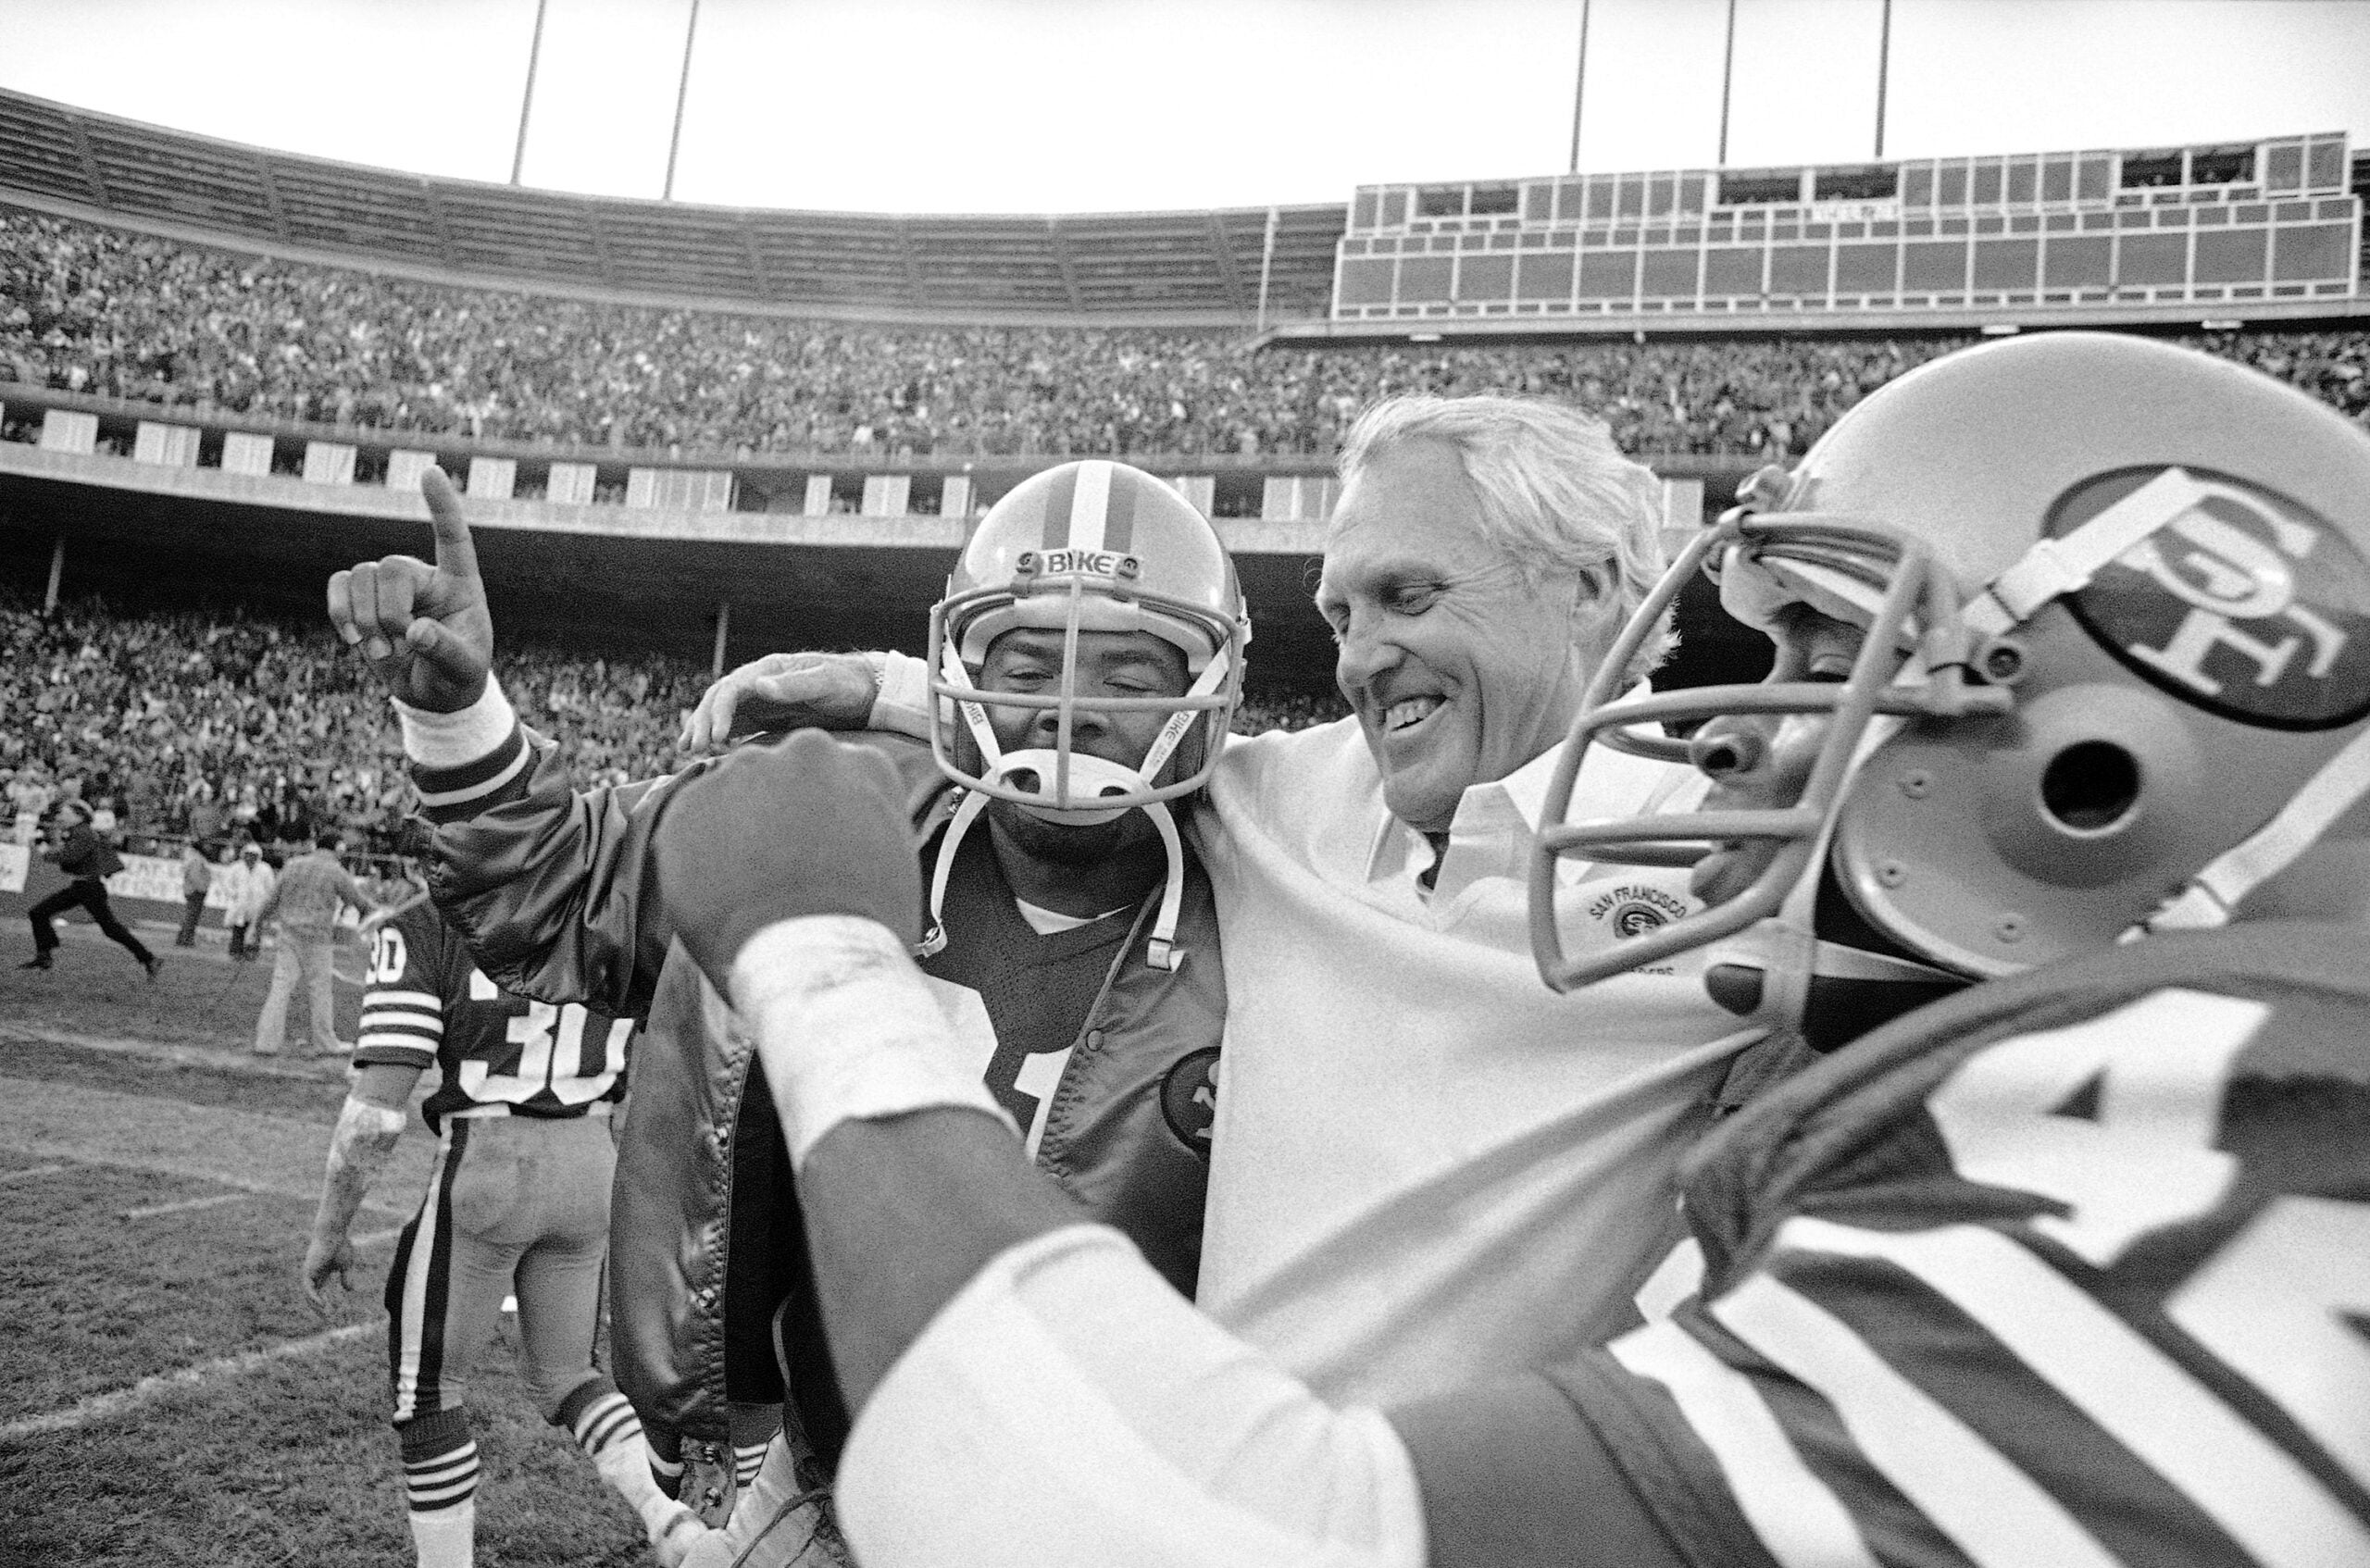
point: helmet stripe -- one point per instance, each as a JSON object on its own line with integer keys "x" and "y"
{"x": 1056, "y": 529}
{"x": 1091, "y": 506}
{"x": 1119, "y": 515}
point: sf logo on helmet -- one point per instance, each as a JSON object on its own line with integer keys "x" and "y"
{"x": 2245, "y": 603}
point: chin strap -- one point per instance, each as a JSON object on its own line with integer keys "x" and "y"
{"x": 1161, "y": 951}
{"x": 1786, "y": 948}
{"x": 2054, "y": 567}
{"x": 2226, "y": 881}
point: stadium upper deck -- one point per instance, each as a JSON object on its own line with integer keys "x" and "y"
{"x": 1143, "y": 268}
{"x": 2244, "y": 231}
{"x": 2267, "y": 229}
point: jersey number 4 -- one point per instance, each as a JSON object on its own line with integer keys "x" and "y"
{"x": 2277, "y": 1304}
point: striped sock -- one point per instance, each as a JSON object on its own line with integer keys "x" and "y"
{"x": 747, "y": 1459}
{"x": 597, "y": 1416}
{"x": 668, "y": 1473}
{"x": 608, "y": 1430}
{"x": 753, "y": 1427}
{"x": 441, "y": 1482}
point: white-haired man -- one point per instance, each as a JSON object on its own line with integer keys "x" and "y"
{"x": 1426, "y": 1169}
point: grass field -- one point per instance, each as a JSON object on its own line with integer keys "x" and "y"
{"x": 166, "y": 1394}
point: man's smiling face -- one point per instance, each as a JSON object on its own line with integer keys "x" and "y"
{"x": 1459, "y": 668}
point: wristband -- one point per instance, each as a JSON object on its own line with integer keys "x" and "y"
{"x": 847, "y": 1028}
{"x": 447, "y": 741}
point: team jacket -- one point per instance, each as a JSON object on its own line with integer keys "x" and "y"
{"x": 426, "y": 1004}
{"x": 1107, "y": 1064}
{"x": 2073, "y": 1269}
{"x": 87, "y": 857}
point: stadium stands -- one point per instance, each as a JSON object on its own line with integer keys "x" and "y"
{"x": 1172, "y": 268}
{"x": 278, "y": 724}
{"x": 86, "y": 308}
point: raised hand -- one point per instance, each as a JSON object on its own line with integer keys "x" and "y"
{"x": 424, "y": 628}
{"x": 808, "y": 826}
{"x": 783, "y": 692}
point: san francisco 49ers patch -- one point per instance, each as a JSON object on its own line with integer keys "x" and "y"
{"x": 2246, "y": 603}
{"x": 1633, "y": 910}
{"x": 1189, "y": 1098}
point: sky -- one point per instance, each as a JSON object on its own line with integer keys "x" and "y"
{"x": 1100, "y": 106}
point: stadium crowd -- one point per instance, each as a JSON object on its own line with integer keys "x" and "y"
{"x": 179, "y": 726}
{"x": 87, "y": 309}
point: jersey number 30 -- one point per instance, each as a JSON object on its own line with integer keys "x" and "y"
{"x": 550, "y": 1060}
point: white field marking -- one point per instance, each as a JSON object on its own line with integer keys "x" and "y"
{"x": 223, "y": 1146}
{"x": 105, "y": 1407}
{"x": 372, "y": 1238}
{"x": 185, "y": 1204}
{"x": 29, "y": 1173}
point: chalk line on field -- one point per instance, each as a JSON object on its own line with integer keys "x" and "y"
{"x": 185, "y": 1205}
{"x": 29, "y": 1173}
{"x": 105, "y": 1407}
{"x": 250, "y": 1151}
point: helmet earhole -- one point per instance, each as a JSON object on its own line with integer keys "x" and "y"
{"x": 2090, "y": 785}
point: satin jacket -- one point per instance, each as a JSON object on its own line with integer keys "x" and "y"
{"x": 550, "y": 889}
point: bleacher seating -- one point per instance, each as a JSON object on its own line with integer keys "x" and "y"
{"x": 1170, "y": 268}
{"x": 89, "y": 309}
{"x": 155, "y": 715}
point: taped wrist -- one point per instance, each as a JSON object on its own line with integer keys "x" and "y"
{"x": 847, "y": 1028}
{"x": 365, "y": 1136}
{"x": 453, "y": 739}
{"x": 1206, "y": 1453}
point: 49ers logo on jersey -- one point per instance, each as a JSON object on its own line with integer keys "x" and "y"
{"x": 1189, "y": 1098}
{"x": 2245, "y": 603}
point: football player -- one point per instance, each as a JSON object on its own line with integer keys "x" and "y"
{"x": 1089, "y": 654}
{"x": 518, "y": 1202}
{"x": 2065, "y": 761}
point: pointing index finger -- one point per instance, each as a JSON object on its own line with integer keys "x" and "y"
{"x": 454, "y": 552}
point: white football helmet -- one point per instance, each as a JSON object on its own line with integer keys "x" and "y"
{"x": 2132, "y": 585}
{"x": 1090, "y": 546}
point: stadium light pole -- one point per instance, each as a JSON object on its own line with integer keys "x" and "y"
{"x": 682, "y": 91}
{"x": 1884, "y": 67}
{"x": 527, "y": 99}
{"x": 1579, "y": 87}
{"x": 1728, "y": 80}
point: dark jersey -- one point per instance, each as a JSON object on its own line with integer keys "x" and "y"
{"x": 2069, "y": 1269}
{"x": 426, "y": 1003}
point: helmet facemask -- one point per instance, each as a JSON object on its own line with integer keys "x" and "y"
{"x": 1974, "y": 856}
{"x": 1851, "y": 567}
{"x": 1032, "y": 564}
{"x": 1059, "y": 782}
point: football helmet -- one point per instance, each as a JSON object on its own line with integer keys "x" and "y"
{"x": 2117, "y": 670}
{"x": 1090, "y": 546}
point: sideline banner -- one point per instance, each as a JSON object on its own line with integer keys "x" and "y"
{"x": 148, "y": 876}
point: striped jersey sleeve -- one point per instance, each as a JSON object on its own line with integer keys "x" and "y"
{"x": 455, "y": 794}
{"x": 2095, "y": 1293}
{"x": 403, "y": 999}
